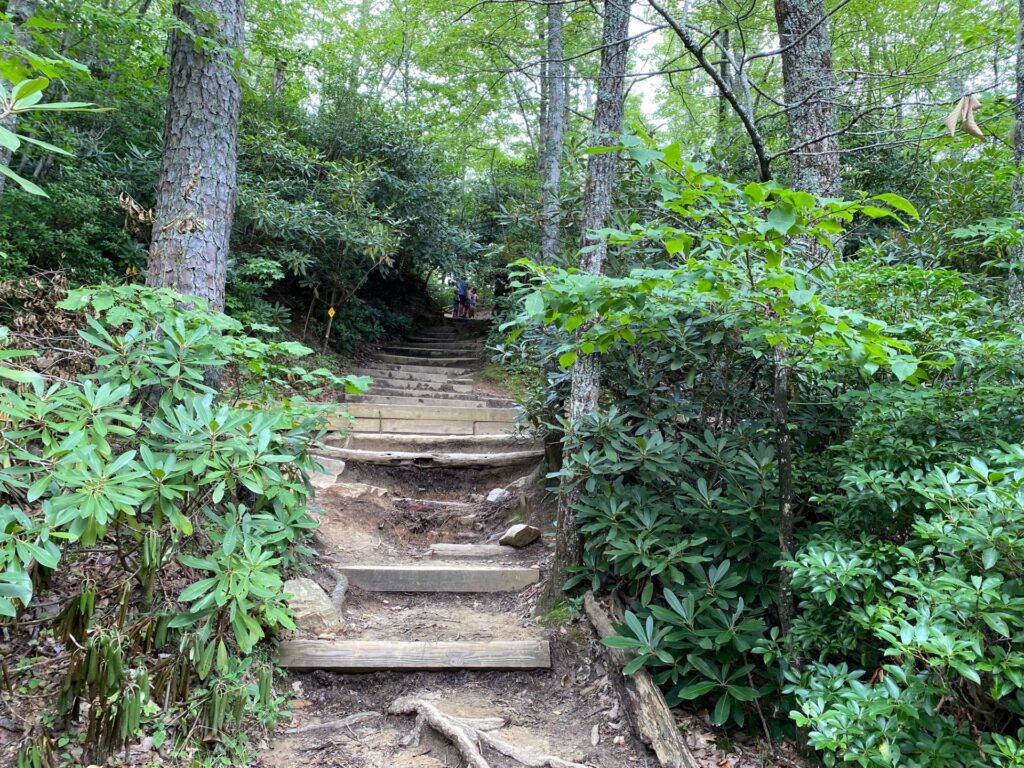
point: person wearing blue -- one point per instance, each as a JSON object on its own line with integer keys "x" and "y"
{"x": 462, "y": 289}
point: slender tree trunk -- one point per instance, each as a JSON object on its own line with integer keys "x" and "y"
{"x": 545, "y": 94}
{"x": 810, "y": 95}
{"x": 722, "y": 134}
{"x": 19, "y": 11}
{"x": 597, "y": 207}
{"x": 554, "y": 137}
{"x": 784, "y": 457}
{"x": 1016, "y": 292}
{"x": 197, "y": 190}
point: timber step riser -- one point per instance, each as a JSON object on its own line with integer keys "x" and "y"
{"x": 383, "y": 656}
{"x": 469, "y": 346}
{"x": 382, "y": 578}
{"x": 428, "y": 460}
{"x": 379, "y": 398}
{"x": 437, "y": 394}
{"x": 435, "y": 443}
{"x": 433, "y": 413}
{"x": 426, "y": 378}
{"x": 429, "y": 363}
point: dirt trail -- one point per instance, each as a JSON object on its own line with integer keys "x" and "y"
{"x": 567, "y": 711}
{"x": 379, "y": 518}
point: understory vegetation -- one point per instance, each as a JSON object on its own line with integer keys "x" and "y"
{"x": 903, "y": 439}
{"x": 168, "y": 516}
{"x": 756, "y": 272}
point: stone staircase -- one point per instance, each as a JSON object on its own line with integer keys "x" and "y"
{"x": 424, "y": 431}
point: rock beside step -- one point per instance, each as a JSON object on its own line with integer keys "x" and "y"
{"x": 313, "y": 609}
{"x": 332, "y": 470}
{"x": 500, "y": 494}
{"x": 520, "y": 536}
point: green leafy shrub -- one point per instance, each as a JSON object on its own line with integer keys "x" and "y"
{"x": 198, "y": 501}
{"x": 678, "y": 473}
{"x": 934, "y": 628}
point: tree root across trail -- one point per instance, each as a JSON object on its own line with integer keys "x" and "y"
{"x": 470, "y": 735}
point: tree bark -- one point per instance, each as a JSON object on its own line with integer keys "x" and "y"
{"x": 1016, "y": 286}
{"x": 809, "y": 85}
{"x": 597, "y": 207}
{"x": 554, "y": 136}
{"x": 784, "y": 457}
{"x": 19, "y": 12}
{"x": 197, "y": 191}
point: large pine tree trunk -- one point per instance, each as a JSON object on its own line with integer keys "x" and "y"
{"x": 1017, "y": 276}
{"x": 198, "y": 185}
{"x": 554, "y": 135}
{"x": 597, "y": 207}
{"x": 19, "y": 11}
{"x": 810, "y": 95}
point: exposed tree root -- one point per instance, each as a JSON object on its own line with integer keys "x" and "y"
{"x": 469, "y": 734}
{"x": 333, "y": 725}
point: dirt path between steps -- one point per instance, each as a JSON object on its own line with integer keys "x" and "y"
{"x": 386, "y": 516}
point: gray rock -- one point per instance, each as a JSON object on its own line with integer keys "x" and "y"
{"x": 359, "y": 491}
{"x": 520, "y": 535}
{"x": 498, "y": 494}
{"x": 332, "y": 470}
{"x": 314, "y": 612}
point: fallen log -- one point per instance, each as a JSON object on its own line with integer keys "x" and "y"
{"x": 651, "y": 715}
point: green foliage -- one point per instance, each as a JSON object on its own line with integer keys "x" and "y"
{"x": 902, "y": 650}
{"x": 202, "y": 499}
{"x": 936, "y": 624}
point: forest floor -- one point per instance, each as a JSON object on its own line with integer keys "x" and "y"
{"x": 389, "y": 514}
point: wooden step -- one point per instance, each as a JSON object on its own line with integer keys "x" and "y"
{"x": 382, "y": 656}
{"x": 394, "y": 373}
{"x": 371, "y": 441}
{"x": 431, "y": 412}
{"x": 431, "y": 352}
{"x": 422, "y": 459}
{"x": 429, "y": 363}
{"x": 385, "y": 389}
{"x": 382, "y": 398}
{"x": 421, "y": 343}
{"x": 419, "y": 578}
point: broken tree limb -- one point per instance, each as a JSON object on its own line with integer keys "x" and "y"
{"x": 651, "y": 715}
{"x": 468, "y": 734}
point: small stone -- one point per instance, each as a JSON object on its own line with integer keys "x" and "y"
{"x": 359, "y": 491}
{"x": 146, "y": 745}
{"x": 332, "y": 470}
{"x": 498, "y": 494}
{"x": 520, "y": 535}
{"x": 477, "y": 498}
{"x": 314, "y": 612}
